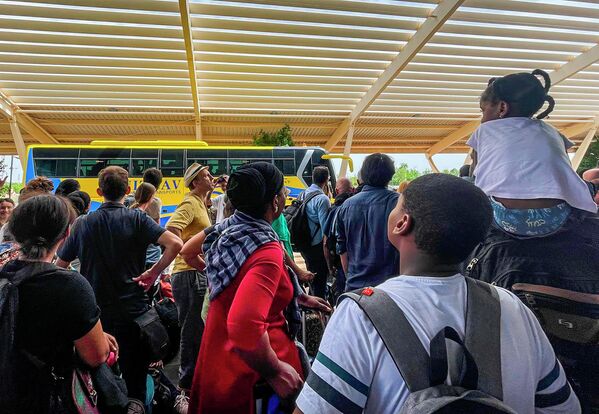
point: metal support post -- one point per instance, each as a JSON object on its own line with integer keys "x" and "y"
{"x": 347, "y": 151}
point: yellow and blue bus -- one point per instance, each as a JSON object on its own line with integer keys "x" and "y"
{"x": 84, "y": 162}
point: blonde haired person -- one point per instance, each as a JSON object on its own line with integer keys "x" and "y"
{"x": 403, "y": 185}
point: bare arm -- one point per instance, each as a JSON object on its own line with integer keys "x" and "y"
{"x": 172, "y": 245}
{"x": 175, "y": 231}
{"x": 192, "y": 251}
{"x": 93, "y": 348}
{"x": 302, "y": 275}
{"x": 474, "y": 157}
{"x": 344, "y": 262}
{"x": 281, "y": 376}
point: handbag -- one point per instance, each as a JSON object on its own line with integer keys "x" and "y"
{"x": 85, "y": 396}
{"x": 111, "y": 389}
{"x": 153, "y": 334}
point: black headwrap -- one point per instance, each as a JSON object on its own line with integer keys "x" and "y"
{"x": 254, "y": 185}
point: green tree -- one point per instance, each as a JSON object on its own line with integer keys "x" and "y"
{"x": 280, "y": 138}
{"x": 16, "y": 187}
{"x": 403, "y": 173}
{"x": 591, "y": 158}
{"x": 453, "y": 171}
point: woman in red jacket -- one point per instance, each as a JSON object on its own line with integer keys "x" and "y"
{"x": 246, "y": 338}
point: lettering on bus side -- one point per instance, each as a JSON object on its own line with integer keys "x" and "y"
{"x": 168, "y": 186}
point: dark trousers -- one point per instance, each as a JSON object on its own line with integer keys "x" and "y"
{"x": 189, "y": 288}
{"x": 317, "y": 264}
{"x": 133, "y": 363}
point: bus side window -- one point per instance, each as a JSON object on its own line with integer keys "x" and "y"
{"x": 142, "y": 159}
{"x": 216, "y": 167}
{"x": 93, "y": 160}
{"x": 171, "y": 163}
{"x": 234, "y": 164}
{"x": 287, "y": 167}
{"x": 55, "y": 162}
{"x": 91, "y": 168}
{"x": 285, "y": 161}
{"x": 56, "y": 168}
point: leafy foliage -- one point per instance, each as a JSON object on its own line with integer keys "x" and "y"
{"x": 280, "y": 138}
{"x": 591, "y": 158}
{"x": 405, "y": 172}
{"x": 16, "y": 187}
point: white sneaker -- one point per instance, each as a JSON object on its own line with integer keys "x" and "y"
{"x": 181, "y": 403}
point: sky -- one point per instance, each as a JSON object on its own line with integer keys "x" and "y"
{"x": 17, "y": 170}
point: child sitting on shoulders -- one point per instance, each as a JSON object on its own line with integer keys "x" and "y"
{"x": 521, "y": 162}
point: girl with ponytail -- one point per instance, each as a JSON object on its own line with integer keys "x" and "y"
{"x": 520, "y": 161}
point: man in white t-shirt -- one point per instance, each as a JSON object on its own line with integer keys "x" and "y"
{"x": 219, "y": 202}
{"x": 437, "y": 222}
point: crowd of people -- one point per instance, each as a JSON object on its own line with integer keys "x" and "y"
{"x": 402, "y": 273}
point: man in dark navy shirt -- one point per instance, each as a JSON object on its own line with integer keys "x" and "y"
{"x": 111, "y": 244}
{"x": 367, "y": 256}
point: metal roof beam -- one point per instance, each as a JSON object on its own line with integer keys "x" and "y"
{"x": 577, "y": 129}
{"x": 6, "y": 106}
{"x": 18, "y": 141}
{"x": 34, "y": 129}
{"x": 576, "y": 65}
{"x": 465, "y": 130}
{"x": 17, "y": 118}
{"x": 191, "y": 64}
{"x": 430, "y": 26}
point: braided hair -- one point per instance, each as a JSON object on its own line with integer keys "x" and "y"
{"x": 524, "y": 93}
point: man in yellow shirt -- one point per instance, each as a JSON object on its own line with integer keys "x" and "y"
{"x": 189, "y": 285}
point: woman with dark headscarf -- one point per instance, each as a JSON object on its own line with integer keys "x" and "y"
{"x": 246, "y": 337}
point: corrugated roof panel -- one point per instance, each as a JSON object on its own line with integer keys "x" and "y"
{"x": 119, "y": 68}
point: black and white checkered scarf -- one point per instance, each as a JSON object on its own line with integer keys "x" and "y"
{"x": 230, "y": 244}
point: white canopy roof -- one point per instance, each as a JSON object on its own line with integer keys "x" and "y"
{"x": 407, "y": 74}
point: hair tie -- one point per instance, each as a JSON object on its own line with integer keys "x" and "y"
{"x": 40, "y": 241}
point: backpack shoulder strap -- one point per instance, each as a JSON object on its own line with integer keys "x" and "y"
{"x": 483, "y": 335}
{"x": 307, "y": 198}
{"x": 397, "y": 334}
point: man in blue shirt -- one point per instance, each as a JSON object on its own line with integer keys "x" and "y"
{"x": 317, "y": 210}
{"x": 367, "y": 256}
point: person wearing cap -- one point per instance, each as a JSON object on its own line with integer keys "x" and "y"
{"x": 189, "y": 285}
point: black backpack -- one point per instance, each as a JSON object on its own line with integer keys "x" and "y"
{"x": 297, "y": 222}
{"x": 331, "y": 243}
{"x": 9, "y": 355}
{"x": 479, "y": 389}
{"x": 562, "y": 293}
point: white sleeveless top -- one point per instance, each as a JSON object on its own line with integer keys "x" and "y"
{"x": 523, "y": 158}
